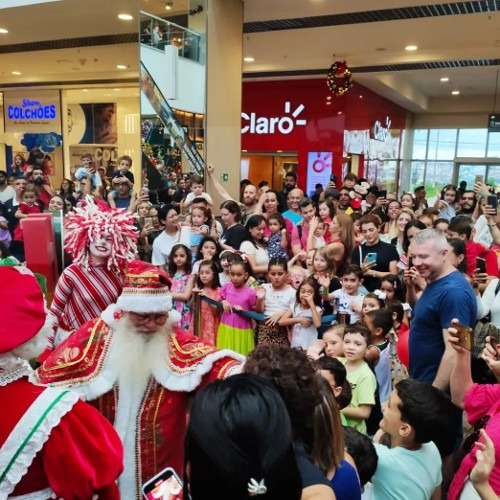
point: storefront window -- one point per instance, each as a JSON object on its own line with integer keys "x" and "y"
{"x": 442, "y": 144}
{"x": 417, "y": 176}
{"x": 472, "y": 142}
{"x": 493, "y": 145}
{"x": 493, "y": 176}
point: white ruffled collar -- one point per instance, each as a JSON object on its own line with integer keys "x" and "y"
{"x": 15, "y": 369}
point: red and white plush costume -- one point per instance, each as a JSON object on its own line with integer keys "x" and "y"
{"x": 142, "y": 387}
{"x": 51, "y": 443}
{"x": 92, "y": 282}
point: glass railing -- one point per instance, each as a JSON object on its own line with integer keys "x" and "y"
{"x": 157, "y": 33}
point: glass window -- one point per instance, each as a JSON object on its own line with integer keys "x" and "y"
{"x": 468, "y": 173}
{"x": 442, "y": 143}
{"x": 493, "y": 176}
{"x": 417, "y": 174}
{"x": 472, "y": 142}
{"x": 419, "y": 144}
{"x": 437, "y": 175}
{"x": 494, "y": 145}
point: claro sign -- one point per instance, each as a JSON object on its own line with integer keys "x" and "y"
{"x": 284, "y": 124}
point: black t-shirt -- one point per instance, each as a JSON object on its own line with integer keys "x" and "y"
{"x": 233, "y": 236}
{"x": 385, "y": 255}
{"x": 309, "y": 473}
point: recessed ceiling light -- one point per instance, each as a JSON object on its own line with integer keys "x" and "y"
{"x": 329, "y": 98}
{"x": 16, "y": 72}
{"x": 125, "y": 17}
{"x": 169, "y": 5}
{"x": 85, "y": 90}
{"x": 3, "y": 31}
{"x": 444, "y": 79}
{"x": 455, "y": 92}
{"x": 121, "y": 66}
{"x": 328, "y": 103}
{"x": 116, "y": 90}
{"x": 279, "y": 151}
{"x": 339, "y": 112}
{"x": 410, "y": 48}
{"x": 360, "y": 96}
{"x": 249, "y": 59}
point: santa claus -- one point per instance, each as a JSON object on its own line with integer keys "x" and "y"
{"x": 139, "y": 373}
{"x": 51, "y": 443}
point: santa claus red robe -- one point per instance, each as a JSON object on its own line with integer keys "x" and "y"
{"x": 154, "y": 437}
{"x": 52, "y": 443}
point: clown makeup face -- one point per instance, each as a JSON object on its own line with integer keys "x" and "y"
{"x": 101, "y": 248}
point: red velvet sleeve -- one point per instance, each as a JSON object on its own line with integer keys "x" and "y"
{"x": 83, "y": 456}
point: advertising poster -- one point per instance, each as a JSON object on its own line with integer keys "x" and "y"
{"x": 104, "y": 156}
{"x": 319, "y": 169}
{"x": 93, "y": 123}
{"x": 32, "y": 111}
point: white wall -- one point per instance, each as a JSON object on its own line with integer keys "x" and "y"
{"x": 190, "y": 82}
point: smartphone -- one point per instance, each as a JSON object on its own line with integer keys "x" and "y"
{"x": 370, "y": 257}
{"x": 492, "y": 200}
{"x": 148, "y": 221}
{"x": 382, "y": 193}
{"x": 333, "y": 178}
{"x": 166, "y": 484}
{"x": 479, "y": 178}
{"x": 481, "y": 265}
{"x": 465, "y": 336}
{"x": 410, "y": 262}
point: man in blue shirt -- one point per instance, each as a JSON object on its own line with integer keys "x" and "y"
{"x": 447, "y": 295}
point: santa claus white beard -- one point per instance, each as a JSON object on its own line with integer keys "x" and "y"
{"x": 132, "y": 357}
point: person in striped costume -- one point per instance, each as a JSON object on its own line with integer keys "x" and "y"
{"x": 101, "y": 242}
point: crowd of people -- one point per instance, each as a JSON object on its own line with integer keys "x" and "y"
{"x": 364, "y": 324}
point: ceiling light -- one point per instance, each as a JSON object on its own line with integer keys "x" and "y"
{"x": 3, "y": 31}
{"x": 339, "y": 112}
{"x": 360, "y": 96}
{"x": 116, "y": 90}
{"x": 85, "y": 90}
{"x": 168, "y": 5}
{"x": 444, "y": 79}
{"x": 121, "y": 66}
{"x": 328, "y": 103}
{"x": 411, "y": 48}
{"x": 329, "y": 98}
{"x": 249, "y": 59}
{"x": 125, "y": 17}
{"x": 279, "y": 151}
{"x": 455, "y": 92}
{"x": 16, "y": 72}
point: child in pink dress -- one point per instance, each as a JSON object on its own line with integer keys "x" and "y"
{"x": 235, "y": 331}
{"x": 208, "y": 285}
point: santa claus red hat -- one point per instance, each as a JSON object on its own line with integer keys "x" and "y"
{"x": 23, "y": 307}
{"x": 146, "y": 289}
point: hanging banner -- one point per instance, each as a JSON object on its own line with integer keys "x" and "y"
{"x": 32, "y": 111}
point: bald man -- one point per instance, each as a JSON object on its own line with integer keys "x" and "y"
{"x": 293, "y": 213}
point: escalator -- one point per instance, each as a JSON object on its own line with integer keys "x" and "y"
{"x": 172, "y": 126}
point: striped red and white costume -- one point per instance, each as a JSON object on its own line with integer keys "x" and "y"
{"x": 81, "y": 295}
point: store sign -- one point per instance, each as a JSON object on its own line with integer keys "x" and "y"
{"x": 319, "y": 169}
{"x": 283, "y": 124}
{"x": 494, "y": 123}
{"x": 32, "y": 111}
{"x": 380, "y": 132}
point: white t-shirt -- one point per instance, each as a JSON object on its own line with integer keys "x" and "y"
{"x": 418, "y": 472}
{"x": 344, "y": 300}
{"x": 162, "y": 246}
{"x": 278, "y": 300}
{"x": 301, "y": 336}
{"x": 191, "y": 196}
{"x": 7, "y": 194}
{"x": 261, "y": 255}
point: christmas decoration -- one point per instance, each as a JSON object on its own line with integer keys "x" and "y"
{"x": 339, "y": 78}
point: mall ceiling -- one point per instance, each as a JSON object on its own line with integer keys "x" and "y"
{"x": 84, "y": 39}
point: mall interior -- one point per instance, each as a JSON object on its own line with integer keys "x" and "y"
{"x": 242, "y": 85}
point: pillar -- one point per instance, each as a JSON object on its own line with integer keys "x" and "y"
{"x": 224, "y": 90}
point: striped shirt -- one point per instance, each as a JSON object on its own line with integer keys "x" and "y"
{"x": 82, "y": 295}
